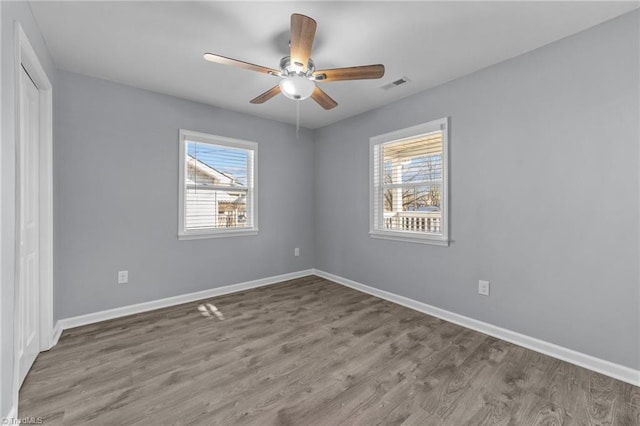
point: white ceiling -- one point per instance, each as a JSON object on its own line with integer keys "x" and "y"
{"x": 159, "y": 45}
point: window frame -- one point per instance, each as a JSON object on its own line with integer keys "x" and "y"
{"x": 252, "y": 190}
{"x": 375, "y": 142}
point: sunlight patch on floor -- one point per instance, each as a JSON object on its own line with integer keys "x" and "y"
{"x": 209, "y": 310}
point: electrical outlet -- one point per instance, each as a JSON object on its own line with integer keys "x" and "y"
{"x": 483, "y": 287}
{"x": 296, "y": 251}
{"x": 123, "y": 277}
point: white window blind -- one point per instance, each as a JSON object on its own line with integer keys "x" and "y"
{"x": 218, "y": 186}
{"x": 409, "y": 183}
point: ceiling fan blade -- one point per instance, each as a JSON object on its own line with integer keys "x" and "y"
{"x": 303, "y": 30}
{"x": 363, "y": 72}
{"x": 260, "y": 99}
{"x": 324, "y": 100}
{"x": 246, "y": 65}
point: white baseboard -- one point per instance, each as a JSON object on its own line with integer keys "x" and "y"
{"x": 78, "y": 321}
{"x": 56, "y": 333}
{"x": 617, "y": 371}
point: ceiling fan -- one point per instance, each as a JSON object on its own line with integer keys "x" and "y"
{"x": 298, "y": 72}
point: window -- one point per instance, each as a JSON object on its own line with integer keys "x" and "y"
{"x": 409, "y": 196}
{"x": 218, "y": 191}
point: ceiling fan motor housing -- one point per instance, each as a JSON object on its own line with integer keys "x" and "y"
{"x": 289, "y": 69}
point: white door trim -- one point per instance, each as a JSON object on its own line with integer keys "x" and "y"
{"x": 25, "y": 55}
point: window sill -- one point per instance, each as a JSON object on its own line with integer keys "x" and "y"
{"x": 417, "y": 239}
{"x": 216, "y": 234}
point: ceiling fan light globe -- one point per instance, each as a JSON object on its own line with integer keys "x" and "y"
{"x": 297, "y": 88}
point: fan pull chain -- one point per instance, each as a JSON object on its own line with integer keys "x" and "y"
{"x": 297, "y": 118}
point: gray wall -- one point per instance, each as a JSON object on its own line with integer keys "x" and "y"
{"x": 11, "y": 12}
{"x": 544, "y": 184}
{"x": 544, "y": 177}
{"x": 116, "y": 186}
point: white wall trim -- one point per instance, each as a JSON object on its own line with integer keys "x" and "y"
{"x": 376, "y": 227}
{"x": 56, "y": 333}
{"x": 80, "y": 320}
{"x": 252, "y": 186}
{"x": 26, "y": 56}
{"x": 3, "y": 337}
{"x": 617, "y": 371}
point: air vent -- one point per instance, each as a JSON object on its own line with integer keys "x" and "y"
{"x": 396, "y": 83}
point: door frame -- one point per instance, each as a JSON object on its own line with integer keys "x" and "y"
{"x": 25, "y": 55}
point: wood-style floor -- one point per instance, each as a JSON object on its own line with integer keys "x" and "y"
{"x": 309, "y": 352}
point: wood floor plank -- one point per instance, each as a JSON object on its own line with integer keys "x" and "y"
{"x": 308, "y": 352}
